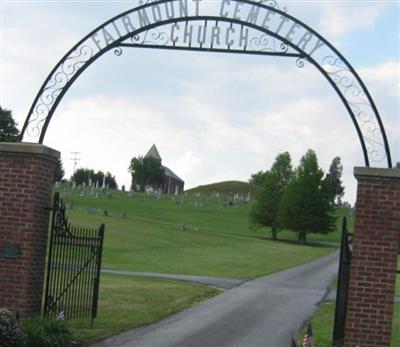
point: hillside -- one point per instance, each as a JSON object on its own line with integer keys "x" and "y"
{"x": 185, "y": 234}
{"x": 226, "y": 187}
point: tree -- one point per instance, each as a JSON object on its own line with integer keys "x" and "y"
{"x": 265, "y": 209}
{"x": 111, "y": 181}
{"x": 146, "y": 171}
{"x": 306, "y": 206}
{"x": 84, "y": 176}
{"x": 59, "y": 174}
{"x": 258, "y": 178}
{"x": 333, "y": 181}
{"x": 8, "y": 128}
{"x": 397, "y": 165}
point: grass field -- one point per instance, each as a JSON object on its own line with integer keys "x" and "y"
{"x": 398, "y": 278}
{"x": 226, "y": 187}
{"x": 322, "y": 324}
{"x": 128, "y": 302}
{"x": 186, "y": 235}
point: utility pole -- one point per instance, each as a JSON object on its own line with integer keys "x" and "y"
{"x": 75, "y": 159}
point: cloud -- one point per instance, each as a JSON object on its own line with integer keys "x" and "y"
{"x": 383, "y": 82}
{"x": 213, "y": 117}
{"x": 335, "y": 19}
{"x": 339, "y": 19}
{"x": 385, "y": 75}
{"x": 215, "y": 131}
{"x": 188, "y": 164}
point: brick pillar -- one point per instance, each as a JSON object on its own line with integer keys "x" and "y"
{"x": 26, "y": 179}
{"x": 375, "y": 250}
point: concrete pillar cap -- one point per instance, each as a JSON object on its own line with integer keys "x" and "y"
{"x": 374, "y": 172}
{"x": 27, "y": 148}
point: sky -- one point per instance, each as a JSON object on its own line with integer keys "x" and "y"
{"x": 213, "y": 117}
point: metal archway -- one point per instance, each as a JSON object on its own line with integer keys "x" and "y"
{"x": 227, "y": 26}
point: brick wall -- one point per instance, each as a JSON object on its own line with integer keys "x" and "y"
{"x": 374, "y": 260}
{"x": 26, "y": 178}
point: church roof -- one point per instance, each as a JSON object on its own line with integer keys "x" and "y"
{"x": 170, "y": 173}
{"x": 153, "y": 152}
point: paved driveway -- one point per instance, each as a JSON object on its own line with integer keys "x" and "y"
{"x": 262, "y": 312}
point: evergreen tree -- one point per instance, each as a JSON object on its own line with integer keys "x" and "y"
{"x": 111, "y": 181}
{"x": 306, "y": 206}
{"x": 8, "y": 128}
{"x": 333, "y": 181}
{"x": 258, "y": 178}
{"x": 265, "y": 210}
{"x": 146, "y": 171}
{"x": 59, "y": 174}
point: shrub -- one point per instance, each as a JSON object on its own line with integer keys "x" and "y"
{"x": 46, "y": 333}
{"x": 10, "y": 331}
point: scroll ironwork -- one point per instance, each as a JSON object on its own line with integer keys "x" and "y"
{"x": 237, "y": 26}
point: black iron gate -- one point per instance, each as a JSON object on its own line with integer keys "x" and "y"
{"x": 73, "y": 267}
{"x": 343, "y": 285}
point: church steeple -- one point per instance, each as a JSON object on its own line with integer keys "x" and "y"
{"x": 153, "y": 152}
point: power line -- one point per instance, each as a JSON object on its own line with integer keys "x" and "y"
{"x": 75, "y": 159}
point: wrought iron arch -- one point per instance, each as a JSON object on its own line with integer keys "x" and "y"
{"x": 228, "y": 26}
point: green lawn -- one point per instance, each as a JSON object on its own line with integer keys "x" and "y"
{"x": 128, "y": 302}
{"x": 189, "y": 234}
{"x": 398, "y": 278}
{"x": 322, "y": 324}
{"x": 332, "y": 237}
{"x": 396, "y": 327}
{"x": 185, "y": 235}
{"x": 226, "y": 187}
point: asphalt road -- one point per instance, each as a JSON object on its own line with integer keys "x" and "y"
{"x": 262, "y": 312}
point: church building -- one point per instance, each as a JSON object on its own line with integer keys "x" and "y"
{"x": 172, "y": 183}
